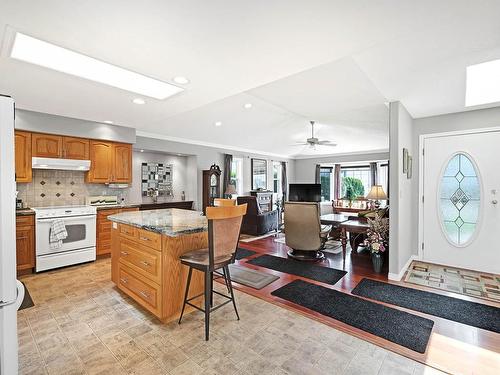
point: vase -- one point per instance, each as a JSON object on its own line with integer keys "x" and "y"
{"x": 378, "y": 262}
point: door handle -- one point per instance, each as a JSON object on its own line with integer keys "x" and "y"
{"x": 145, "y": 263}
{"x": 124, "y": 253}
{"x": 494, "y": 201}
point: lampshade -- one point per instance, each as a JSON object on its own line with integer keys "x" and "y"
{"x": 231, "y": 189}
{"x": 377, "y": 193}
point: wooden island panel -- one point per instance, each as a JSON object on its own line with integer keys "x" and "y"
{"x": 145, "y": 265}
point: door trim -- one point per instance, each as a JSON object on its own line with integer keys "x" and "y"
{"x": 421, "y": 167}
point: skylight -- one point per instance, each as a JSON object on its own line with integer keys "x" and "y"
{"x": 38, "y": 52}
{"x": 483, "y": 83}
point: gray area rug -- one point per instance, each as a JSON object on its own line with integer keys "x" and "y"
{"x": 252, "y": 278}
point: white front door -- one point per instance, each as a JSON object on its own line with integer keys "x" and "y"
{"x": 461, "y": 209}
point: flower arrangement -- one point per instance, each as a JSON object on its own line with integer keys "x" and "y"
{"x": 378, "y": 234}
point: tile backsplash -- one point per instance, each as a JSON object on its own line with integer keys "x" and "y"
{"x": 61, "y": 188}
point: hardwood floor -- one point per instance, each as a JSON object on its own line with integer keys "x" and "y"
{"x": 453, "y": 347}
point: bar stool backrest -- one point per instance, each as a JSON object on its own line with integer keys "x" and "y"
{"x": 220, "y": 202}
{"x": 224, "y": 226}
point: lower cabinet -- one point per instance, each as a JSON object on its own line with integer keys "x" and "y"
{"x": 104, "y": 228}
{"x": 25, "y": 244}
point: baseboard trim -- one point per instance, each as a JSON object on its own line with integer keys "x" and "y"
{"x": 399, "y": 276}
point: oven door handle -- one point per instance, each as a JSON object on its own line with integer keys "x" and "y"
{"x": 51, "y": 220}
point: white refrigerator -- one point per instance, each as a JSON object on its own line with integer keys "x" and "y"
{"x": 11, "y": 290}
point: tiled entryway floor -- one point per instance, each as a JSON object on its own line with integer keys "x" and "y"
{"x": 81, "y": 324}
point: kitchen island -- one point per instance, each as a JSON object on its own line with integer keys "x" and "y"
{"x": 145, "y": 251}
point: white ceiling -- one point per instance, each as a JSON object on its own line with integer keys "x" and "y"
{"x": 335, "y": 62}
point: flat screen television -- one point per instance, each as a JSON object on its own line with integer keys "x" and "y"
{"x": 304, "y": 193}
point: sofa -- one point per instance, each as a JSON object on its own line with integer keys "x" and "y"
{"x": 256, "y": 222}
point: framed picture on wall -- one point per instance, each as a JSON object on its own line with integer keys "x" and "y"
{"x": 259, "y": 174}
{"x": 405, "y": 160}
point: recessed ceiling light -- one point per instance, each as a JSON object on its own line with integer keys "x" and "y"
{"x": 50, "y": 56}
{"x": 141, "y": 150}
{"x": 108, "y": 121}
{"x": 218, "y": 123}
{"x": 181, "y": 80}
{"x": 248, "y": 105}
{"x": 483, "y": 83}
{"x": 139, "y": 101}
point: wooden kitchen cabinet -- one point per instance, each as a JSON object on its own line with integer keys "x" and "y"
{"x": 110, "y": 163}
{"x": 46, "y": 145}
{"x": 25, "y": 244}
{"x": 122, "y": 163}
{"x": 104, "y": 228}
{"x": 101, "y": 162}
{"x": 76, "y": 148}
{"x": 23, "y": 156}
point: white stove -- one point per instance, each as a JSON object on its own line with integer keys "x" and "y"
{"x": 80, "y": 244}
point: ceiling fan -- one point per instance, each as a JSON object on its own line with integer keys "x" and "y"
{"x": 313, "y": 141}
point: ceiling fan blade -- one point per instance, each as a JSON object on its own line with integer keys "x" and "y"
{"x": 300, "y": 144}
{"x": 328, "y": 144}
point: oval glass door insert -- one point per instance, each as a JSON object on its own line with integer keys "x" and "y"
{"x": 460, "y": 200}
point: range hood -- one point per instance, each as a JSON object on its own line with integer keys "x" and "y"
{"x": 60, "y": 164}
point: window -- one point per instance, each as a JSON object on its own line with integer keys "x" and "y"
{"x": 326, "y": 180}
{"x": 460, "y": 200}
{"x": 383, "y": 176}
{"x": 361, "y": 173}
{"x": 277, "y": 178}
{"x": 237, "y": 174}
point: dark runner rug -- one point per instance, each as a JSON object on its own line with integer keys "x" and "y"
{"x": 465, "y": 312}
{"x": 244, "y": 253}
{"x": 27, "y": 301}
{"x": 304, "y": 269}
{"x": 405, "y": 329}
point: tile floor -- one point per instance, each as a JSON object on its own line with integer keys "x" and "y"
{"x": 81, "y": 324}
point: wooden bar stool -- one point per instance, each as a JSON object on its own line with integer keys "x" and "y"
{"x": 221, "y": 202}
{"x": 224, "y": 225}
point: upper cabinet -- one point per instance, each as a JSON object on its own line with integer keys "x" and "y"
{"x": 110, "y": 163}
{"x": 122, "y": 163}
{"x": 75, "y": 148}
{"x": 23, "y": 156}
{"x": 46, "y": 145}
{"x": 101, "y": 159}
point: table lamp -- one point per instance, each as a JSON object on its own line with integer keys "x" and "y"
{"x": 231, "y": 189}
{"x": 377, "y": 194}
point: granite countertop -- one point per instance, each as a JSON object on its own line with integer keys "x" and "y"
{"x": 132, "y": 205}
{"x": 170, "y": 221}
{"x": 25, "y": 212}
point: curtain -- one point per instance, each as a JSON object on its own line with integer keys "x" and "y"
{"x": 373, "y": 173}
{"x": 317, "y": 177}
{"x": 336, "y": 182}
{"x": 228, "y": 161}
{"x": 284, "y": 180}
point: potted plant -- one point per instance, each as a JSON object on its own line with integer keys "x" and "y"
{"x": 377, "y": 240}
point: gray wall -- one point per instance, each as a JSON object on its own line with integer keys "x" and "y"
{"x": 305, "y": 169}
{"x": 206, "y": 156}
{"x": 402, "y": 230}
{"x": 52, "y": 124}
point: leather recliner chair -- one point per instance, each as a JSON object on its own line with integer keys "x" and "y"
{"x": 304, "y": 233}
{"x": 256, "y": 222}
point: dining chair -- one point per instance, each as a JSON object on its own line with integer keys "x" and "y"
{"x": 224, "y": 226}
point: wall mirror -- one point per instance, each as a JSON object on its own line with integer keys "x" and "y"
{"x": 259, "y": 174}
{"x": 156, "y": 176}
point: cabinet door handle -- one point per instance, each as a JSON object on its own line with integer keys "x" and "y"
{"x": 145, "y": 239}
{"x": 124, "y": 253}
{"x": 144, "y": 294}
{"x": 124, "y": 281}
{"x": 22, "y": 238}
{"x": 145, "y": 263}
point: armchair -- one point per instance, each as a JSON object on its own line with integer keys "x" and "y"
{"x": 304, "y": 233}
{"x": 256, "y": 222}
